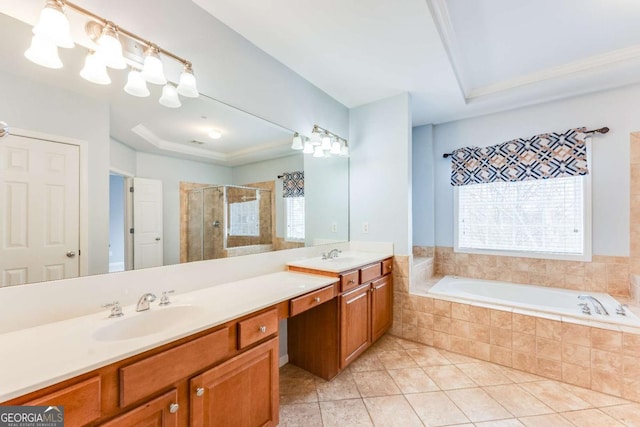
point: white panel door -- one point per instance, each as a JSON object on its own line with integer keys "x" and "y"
{"x": 40, "y": 202}
{"x": 147, "y": 223}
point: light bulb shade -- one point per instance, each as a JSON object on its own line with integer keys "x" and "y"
{"x": 336, "y": 147}
{"x": 344, "y": 151}
{"x": 95, "y": 70}
{"x": 43, "y": 52}
{"x": 136, "y": 85}
{"x": 326, "y": 142}
{"x": 169, "y": 97}
{"x": 308, "y": 147}
{"x": 110, "y": 49}
{"x": 316, "y": 139}
{"x": 317, "y": 152}
{"x": 296, "y": 144}
{"x": 187, "y": 86}
{"x": 53, "y": 25}
{"x": 153, "y": 72}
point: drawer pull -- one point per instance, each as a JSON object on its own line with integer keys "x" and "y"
{"x": 200, "y": 391}
{"x": 173, "y": 408}
{"x": 263, "y": 329}
{"x": 316, "y": 299}
{"x": 351, "y": 282}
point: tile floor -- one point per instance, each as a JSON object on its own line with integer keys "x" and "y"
{"x": 402, "y": 383}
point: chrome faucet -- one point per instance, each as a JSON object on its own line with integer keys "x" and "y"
{"x": 597, "y": 305}
{"x": 333, "y": 253}
{"x": 143, "y": 302}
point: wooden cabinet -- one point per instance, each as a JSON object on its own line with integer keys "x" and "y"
{"x": 159, "y": 412}
{"x": 381, "y": 306}
{"x": 241, "y": 392}
{"x": 355, "y": 323}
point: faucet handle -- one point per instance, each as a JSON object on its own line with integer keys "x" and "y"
{"x": 164, "y": 300}
{"x": 621, "y": 309}
{"x": 116, "y": 309}
{"x": 585, "y": 308}
{"x": 324, "y": 255}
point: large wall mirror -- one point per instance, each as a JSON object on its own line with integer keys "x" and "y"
{"x": 196, "y": 195}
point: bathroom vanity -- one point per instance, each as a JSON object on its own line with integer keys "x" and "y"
{"x": 217, "y": 363}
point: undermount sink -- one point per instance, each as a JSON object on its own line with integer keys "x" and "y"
{"x": 147, "y": 323}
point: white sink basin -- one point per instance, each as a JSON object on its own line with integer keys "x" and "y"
{"x": 148, "y": 322}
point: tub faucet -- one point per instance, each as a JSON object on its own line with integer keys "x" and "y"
{"x": 333, "y": 253}
{"x": 143, "y": 302}
{"x": 597, "y": 305}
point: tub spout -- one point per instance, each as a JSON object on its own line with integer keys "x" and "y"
{"x": 597, "y": 305}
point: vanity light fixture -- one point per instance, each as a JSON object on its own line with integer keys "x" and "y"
{"x": 317, "y": 152}
{"x": 336, "y": 147}
{"x": 296, "y": 144}
{"x": 326, "y": 141}
{"x": 322, "y": 143}
{"x": 308, "y": 147}
{"x": 53, "y": 31}
{"x": 316, "y": 137}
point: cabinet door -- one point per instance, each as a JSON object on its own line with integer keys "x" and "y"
{"x": 381, "y": 306}
{"x": 355, "y": 325}
{"x": 159, "y": 412}
{"x": 241, "y": 392}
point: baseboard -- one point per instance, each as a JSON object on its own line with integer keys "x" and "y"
{"x": 284, "y": 360}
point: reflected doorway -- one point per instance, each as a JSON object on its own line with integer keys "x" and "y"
{"x": 120, "y": 222}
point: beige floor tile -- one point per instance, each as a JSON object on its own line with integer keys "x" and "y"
{"x": 341, "y": 413}
{"x": 300, "y": 415}
{"x": 484, "y": 374}
{"x": 297, "y": 385}
{"x": 550, "y": 420}
{"x": 386, "y": 343}
{"x": 628, "y": 414}
{"x": 477, "y": 405}
{"x": 375, "y": 383}
{"x": 591, "y": 418}
{"x": 449, "y": 377}
{"x": 501, "y": 423}
{"x": 517, "y": 401}
{"x": 396, "y": 359}
{"x": 341, "y": 387}
{"x": 436, "y": 409}
{"x": 518, "y": 376}
{"x": 368, "y": 361}
{"x": 552, "y": 394}
{"x": 303, "y": 397}
{"x": 595, "y": 398}
{"x": 428, "y": 356}
{"x": 457, "y": 358}
{"x": 406, "y": 344}
{"x": 391, "y": 411}
{"x": 413, "y": 380}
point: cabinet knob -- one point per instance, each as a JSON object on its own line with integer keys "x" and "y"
{"x": 200, "y": 391}
{"x": 317, "y": 299}
{"x": 263, "y": 329}
{"x": 352, "y": 281}
{"x": 173, "y": 408}
{"x": 372, "y": 289}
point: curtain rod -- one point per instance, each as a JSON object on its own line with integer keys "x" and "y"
{"x": 602, "y": 130}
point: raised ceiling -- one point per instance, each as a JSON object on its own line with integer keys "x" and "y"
{"x": 457, "y": 58}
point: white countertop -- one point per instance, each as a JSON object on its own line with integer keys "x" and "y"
{"x": 344, "y": 262}
{"x": 37, "y": 357}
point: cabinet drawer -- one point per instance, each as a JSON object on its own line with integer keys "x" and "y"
{"x": 387, "y": 266}
{"x": 257, "y": 328}
{"x": 310, "y": 300}
{"x": 81, "y": 402}
{"x": 371, "y": 272}
{"x": 349, "y": 280}
{"x": 149, "y": 375}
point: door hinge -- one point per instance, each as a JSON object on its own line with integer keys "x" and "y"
{"x": 131, "y": 231}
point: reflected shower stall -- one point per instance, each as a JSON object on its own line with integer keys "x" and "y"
{"x": 228, "y": 220}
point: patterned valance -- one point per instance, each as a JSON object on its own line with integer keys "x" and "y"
{"x": 293, "y": 184}
{"x": 549, "y": 155}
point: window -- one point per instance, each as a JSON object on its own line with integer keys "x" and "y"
{"x": 244, "y": 218}
{"x": 546, "y": 218}
{"x": 294, "y": 217}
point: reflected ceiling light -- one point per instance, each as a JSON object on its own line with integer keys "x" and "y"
{"x": 215, "y": 134}
{"x": 308, "y": 147}
{"x": 317, "y": 152}
{"x": 136, "y": 84}
{"x": 187, "y": 86}
{"x": 43, "y": 52}
{"x": 53, "y": 25}
{"x": 95, "y": 70}
{"x": 326, "y": 141}
{"x": 296, "y": 144}
{"x": 153, "y": 72}
{"x": 109, "y": 47}
{"x": 169, "y": 97}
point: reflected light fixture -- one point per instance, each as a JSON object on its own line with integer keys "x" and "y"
{"x": 109, "y": 47}
{"x": 53, "y": 25}
{"x": 136, "y": 84}
{"x": 336, "y": 147}
{"x": 169, "y": 96}
{"x": 296, "y": 144}
{"x": 187, "y": 86}
{"x": 95, "y": 70}
{"x": 322, "y": 143}
{"x": 316, "y": 138}
{"x": 326, "y": 141}
{"x": 317, "y": 152}
{"x": 153, "y": 71}
{"x": 43, "y": 52}
{"x": 308, "y": 147}
{"x": 215, "y": 134}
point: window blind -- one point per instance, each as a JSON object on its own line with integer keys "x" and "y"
{"x": 294, "y": 213}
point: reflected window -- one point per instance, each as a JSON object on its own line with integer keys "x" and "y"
{"x": 294, "y": 216}
{"x": 244, "y": 218}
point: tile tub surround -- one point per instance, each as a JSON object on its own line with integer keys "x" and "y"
{"x": 403, "y": 383}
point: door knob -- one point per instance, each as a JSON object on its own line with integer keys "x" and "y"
{"x": 71, "y": 254}
{"x": 173, "y": 408}
{"x": 157, "y": 239}
{"x": 200, "y": 391}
